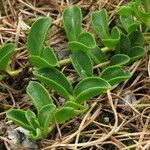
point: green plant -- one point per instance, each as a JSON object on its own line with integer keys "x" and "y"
{"x": 37, "y": 125}
{"x": 135, "y": 9}
{"x": 126, "y": 48}
{"x": 5, "y": 54}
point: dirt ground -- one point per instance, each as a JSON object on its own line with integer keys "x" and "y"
{"x": 101, "y": 127}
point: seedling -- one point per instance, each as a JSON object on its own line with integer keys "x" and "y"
{"x": 37, "y": 125}
{"x": 127, "y": 48}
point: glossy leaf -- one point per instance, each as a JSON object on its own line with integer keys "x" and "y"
{"x": 136, "y": 38}
{"x": 115, "y": 75}
{"x": 97, "y": 55}
{"x": 38, "y": 95}
{"x": 119, "y": 60}
{"x": 5, "y": 54}
{"x": 84, "y": 43}
{"x": 100, "y": 23}
{"x": 37, "y": 35}
{"x": 45, "y": 117}
{"x": 82, "y": 64}
{"x": 72, "y": 21}
{"x": 55, "y": 80}
{"x": 70, "y": 110}
{"x": 89, "y": 88}
{"x": 136, "y": 53}
{"x": 19, "y": 117}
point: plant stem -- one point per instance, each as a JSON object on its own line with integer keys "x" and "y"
{"x": 67, "y": 61}
{"x": 60, "y": 63}
{"x": 101, "y": 64}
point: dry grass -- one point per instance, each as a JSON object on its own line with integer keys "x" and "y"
{"x": 113, "y": 120}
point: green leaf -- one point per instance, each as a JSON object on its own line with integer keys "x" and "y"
{"x": 84, "y": 43}
{"x": 136, "y": 53}
{"x": 46, "y": 59}
{"x": 38, "y": 95}
{"x": 31, "y": 117}
{"x": 89, "y": 88}
{"x": 49, "y": 55}
{"x": 124, "y": 44}
{"x": 87, "y": 39}
{"x": 136, "y": 38}
{"x": 19, "y": 117}
{"x": 39, "y": 62}
{"x": 37, "y": 135}
{"x": 5, "y": 54}
{"x": 45, "y": 117}
{"x": 124, "y": 10}
{"x": 37, "y": 35}
{"x": 97, "y": 55}
{"x": 100, "y": 23}
{"x": 70, "y": 110}
{"x": 72, "y": 21}
{"x": 82, "y": 64}
{"x": 55, "y": 80}
{"x": 128, "y": 23}
{"x": 114, "y": 75}
{"x": 76, "y": 46}
{"x": 119, "y": 60}
{"x": 112, "y": 42}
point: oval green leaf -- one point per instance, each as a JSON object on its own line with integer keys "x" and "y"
{"x": 128, "y": 23}
{"x": 87, "y": 39}
{"x": 97, "y": 55}
{"x": 119, "y": 60}
{"x": 76, "y": 46}
{"x": 72, "y": 21}
{"x": 82, "y": 64}
{"x": 115, "y": 75}
{"x": 70, "y": 110}
{"x": 136, "y": 53}
{"x": 31, "y": 117}
{"x": 19, "y": 117}
{"x": 38, "y": 94}
{"x": 5, "y": 54}
{"x": 37, "y": 35}
{"x": 124, "y": 44}
{"x": 45, "y": 117}
{"x": 100, "y": 23}
{"x": 55, "y": 80}
{"x": 89, "y": 88}
{"x": 49, "y": 55}
{"x": 136, "y": 38}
